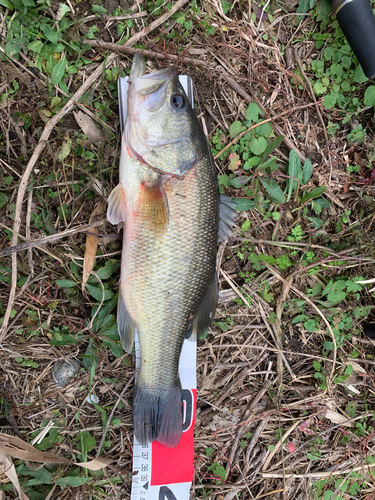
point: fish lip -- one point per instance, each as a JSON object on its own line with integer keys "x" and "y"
{"x": 179, "y": 176}
{"x": 162, "y": 74}
{"x": 138, "y": 68}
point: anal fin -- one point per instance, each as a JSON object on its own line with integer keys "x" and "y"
{"x": 125, "y": 324}
{"x": 116, "y": 211}
{"x": 227, "y": 216}
{"x": 205, "y": 312}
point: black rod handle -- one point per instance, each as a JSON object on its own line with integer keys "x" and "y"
{"x": 357, "y": 22}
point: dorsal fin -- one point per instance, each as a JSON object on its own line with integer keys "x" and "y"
{"x": 227, "y": 216}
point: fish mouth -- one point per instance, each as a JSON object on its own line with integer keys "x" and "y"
{"x": 147, "y": 83}
{"x": 180, "y": 174}
{"x": 138, "y": 68}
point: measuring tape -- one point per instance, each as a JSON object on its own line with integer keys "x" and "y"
{"x": 161, "y": 473}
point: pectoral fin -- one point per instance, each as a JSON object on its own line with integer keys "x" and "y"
{"x": 125, "y": 324}
{"x": 205, "y": 312}
{"x": 116, "y": 211}
{"x": 227, "y": 216}
{"x": 154, "y": 205}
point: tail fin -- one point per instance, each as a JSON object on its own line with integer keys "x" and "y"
{"x": 157, "y": 415}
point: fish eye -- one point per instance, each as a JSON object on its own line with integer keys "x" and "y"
{"x": 178, "y": 101}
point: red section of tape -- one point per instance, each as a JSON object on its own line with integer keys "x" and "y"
{"x": 176, "y": 465}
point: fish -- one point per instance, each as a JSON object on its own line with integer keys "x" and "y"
{"x": 167, "y": 202}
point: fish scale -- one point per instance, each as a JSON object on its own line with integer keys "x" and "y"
{"x": 178, "y": 269}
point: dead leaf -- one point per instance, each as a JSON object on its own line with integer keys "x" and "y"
{"x": 17, "y": 448}
{"x": 337, "y": 418}
{"x": 88, "y": 127}
{"x": 65, "y": 148}
{"x": 7, "y": 468}
{"x": 356, "y": 367}
{"x": 91, "y": 244}
{"x": 235, "y": 161}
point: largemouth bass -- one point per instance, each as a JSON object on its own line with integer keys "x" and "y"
{"x": 168, "y": 200}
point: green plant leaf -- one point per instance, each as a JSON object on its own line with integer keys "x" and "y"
{"x": 351, "y": 409}
{"x": 218, "y": 470}
{"x": 303, "y": 7}
{"x": 12, "y": 48}
{"x": 319, "y": 88}
{"x": 317, "y": 366}
{"x": 352, "y": 286}
{"x": 310, "y": 325}
{"x": 258, "y": 145}
{"x": 272, "y": 146}
{"x": 243, "y": 204}
{"x": 115, "y": 348}
{"x": 239, "y": 182}
{"x": 313, "y": 194}
{"x": 270, "y": 163}
{"x": 105, "y": 272}
{"x": 97, "y": 293}
{"x": 316, "y": 222}
{"x": 58, "y": 71}
{"x": 273, "y": 190}
{"x": 35, "y": 46}
{"x": 7, "y": 4}
{"x": 3, "y": 200}
{"x": 359, "y": 75}
{"x": 52, "y": 435}
{"x": 307, "y": 171}
{"x": 88, "y": 442}
{"x": 324, "y": 13}
{"x": 329, "y": 53}
{"x": 294, "y": 168}
{"x": 51, "y": 34}
{"x": 264, "y": 130}
{"x": 73, "y": 481}
{"x": 40, "y": 476}
{"x": 235, "y": 129}
{"x": 369, "y": 99}
{"x": 330, "y": 100}
{"x": 66, "y": 283}
{"x": 346, "y": 62}
{"x": 67, "y": 339}
{"x": 253, "y": 112}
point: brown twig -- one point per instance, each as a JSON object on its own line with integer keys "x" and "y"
{"x": 28, "y": 234}
{"x": 47, "y": 239}
{"x": 151, "y": 54}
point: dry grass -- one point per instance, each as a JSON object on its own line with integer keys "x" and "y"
{"x": 261, "y": 415}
